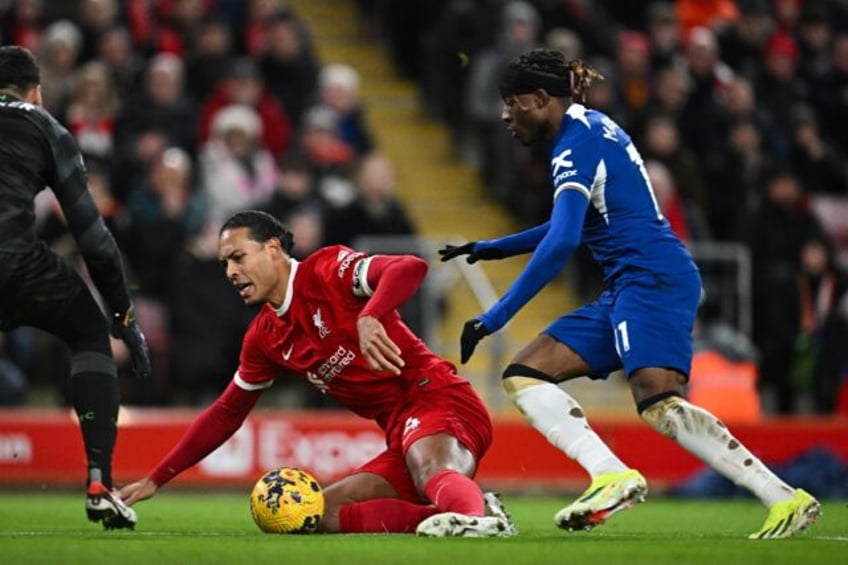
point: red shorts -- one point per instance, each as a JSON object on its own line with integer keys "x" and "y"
{"x": 455, "y": 410}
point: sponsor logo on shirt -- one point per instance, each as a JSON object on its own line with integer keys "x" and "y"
{"x": 347, "y": 258}
{"x": 561, "y": 161}
{"x": 330, "y": 368}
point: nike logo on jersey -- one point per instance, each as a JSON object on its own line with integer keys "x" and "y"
{"x": 288, "y": 353}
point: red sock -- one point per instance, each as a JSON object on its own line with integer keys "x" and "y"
{"x": 450, "y": 491}
{"x": 382, "y": 515}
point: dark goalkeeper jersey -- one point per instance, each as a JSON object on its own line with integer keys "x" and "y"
{"x": 36, "y": 151}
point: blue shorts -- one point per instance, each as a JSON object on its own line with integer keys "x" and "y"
{"x": 639, "y": 322}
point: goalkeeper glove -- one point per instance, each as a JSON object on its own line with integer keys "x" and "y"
{"x": 472, "y": 332}
{"x": 449, "y": 252}
{"x": 125, "y": 328}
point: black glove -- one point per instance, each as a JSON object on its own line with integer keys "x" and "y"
{"x": 125, "y": 328}
{"x": 449, "y": 252}
{"x": 472, "y": 332}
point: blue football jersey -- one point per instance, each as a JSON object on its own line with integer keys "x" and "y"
{"x": 624, "y": 228}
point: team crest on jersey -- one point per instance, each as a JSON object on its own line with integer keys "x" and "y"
{"x": 318, "y": 322}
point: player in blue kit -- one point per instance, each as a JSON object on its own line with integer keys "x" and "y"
{"x": 642, "y": 321}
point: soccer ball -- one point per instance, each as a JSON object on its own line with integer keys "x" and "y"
{"x": 287, "y": 501}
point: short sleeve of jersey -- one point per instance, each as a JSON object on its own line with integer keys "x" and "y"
{"x": 575, "y": 164}
{"x": 255, "y": 371}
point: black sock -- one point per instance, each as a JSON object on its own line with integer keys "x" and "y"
{"x": 95, "y": 397}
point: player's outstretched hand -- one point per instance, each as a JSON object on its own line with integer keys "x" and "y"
{"x": 125, "y": 328}
{"x": 449, "y": 252}
{"x": 472, "y": 332}
{"x": 139, "y": 490}
{"x": 379, "y": 350}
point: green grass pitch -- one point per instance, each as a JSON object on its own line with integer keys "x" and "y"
{"x": 199, "y": 528}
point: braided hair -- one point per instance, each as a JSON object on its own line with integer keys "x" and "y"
{"x": 547, "y": 69}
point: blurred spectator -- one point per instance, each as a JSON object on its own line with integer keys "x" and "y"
{"x": 155, "y": 117}
{"x": 739, "y": 103}
{"x": 815, "y": 36}
{"x": 831, "y": 98}
{"x": 125, "y": 66}
{"x": 252, "y": 37}
{"x": 662, "y": 143}
{"x": 779, "y": 88}
{"x": 736, "y": 179}
{"x": 236, "y": 171}
{"x": 243, "y": 85}
{"x": 743, "y": 41}
{"x": 23, "y": 23}
{"x": 288, "y": 65}
{"x": 566, "y": 42}
{"x": 60, "y": 49}
{"x": 820, "y": 355}
{"x": 307, "y": 226}
{"x": 776, "y": 233}
{"x": 296, "y": 188}
{"x": 376, "y": 210}
{"x": 489, "y": 145}
{"x": 669, "y": 202}
{"x": 207, "y": 61}
{"x": 91, "y": 112}
{"x": 94, "y": 17}
{"x": 163, "y": 213}
{"x": 663, "y": 29}
{"x": 323, "y": 147}
{"x": 205, "y": 324}
{"x": 634, "y": 78}
{"x": 708, "y": 76}
{"x": 338, "y": 89}
{"x": 669, "y": 96}
{"x": 820, "y": 168}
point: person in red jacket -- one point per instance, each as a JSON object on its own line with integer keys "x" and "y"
{"x": 243, "y": 85}
{"x": 332, "y": 319}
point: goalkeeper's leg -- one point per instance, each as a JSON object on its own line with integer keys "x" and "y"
{"x": 95, "y": 397}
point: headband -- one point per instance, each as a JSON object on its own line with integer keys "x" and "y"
{"x": 516, "y": 80}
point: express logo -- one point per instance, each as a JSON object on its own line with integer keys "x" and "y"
{"x": 347, "y": 259}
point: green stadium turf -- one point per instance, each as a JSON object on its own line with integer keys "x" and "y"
{"x": 199, "y": 528}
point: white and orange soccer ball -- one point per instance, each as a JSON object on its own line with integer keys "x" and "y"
{"x": 287, "y": 501}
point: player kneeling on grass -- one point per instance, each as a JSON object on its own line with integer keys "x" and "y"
{"x": 332, "y": 319}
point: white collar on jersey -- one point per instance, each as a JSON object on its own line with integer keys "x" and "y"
{"x": 284, "y": 307}
{"x": 577, "y": 112}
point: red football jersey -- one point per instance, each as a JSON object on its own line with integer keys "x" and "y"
{"x": 313, "y": 334}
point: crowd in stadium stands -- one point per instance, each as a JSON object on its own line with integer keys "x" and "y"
{"x": 187, "y": 110}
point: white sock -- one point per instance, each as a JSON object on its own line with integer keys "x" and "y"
{"x": 706, "y": 437}
{"x": 558, "y": 417}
